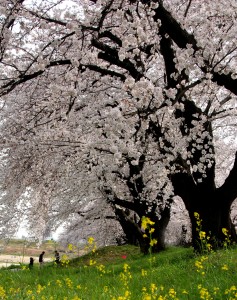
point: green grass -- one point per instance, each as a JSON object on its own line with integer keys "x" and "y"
{"x": 122, "y": 273}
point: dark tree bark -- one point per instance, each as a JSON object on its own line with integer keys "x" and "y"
{"x": 211, "y": 203}
{"x": 136, "y": 235}
{"x": 129, "y": 213}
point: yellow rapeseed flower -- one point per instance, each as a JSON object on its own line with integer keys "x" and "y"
{"x": 196, "y": 215}
{"x": 101, "y": 268}
{"x": 106, "y": 289}
{"x": 69, "y": 283}
{"x": 216, "y": 290}
{"x": 225, "y": 231}
{"x": 92, "y": 262}
{"x": 225, "y": 268}
{"x": 29, "y": 292}
{"x": 153, "y": 242}
{"x": 146, "y": 223}
{"x": 2, "y": 292}
{"x": 172, "y": 293}
{"x": 90, "y": 240}
{"x": 153, "y": 288}
{"x": 59, "y": 282}
{"x": 146, "y": 297}
{"x": 76, "y": 298}
{"x": 202, "y": 235}
{"x": 204, "y": 294}
{"x": 70, "y": 247}
{"x": 40, "y": 288}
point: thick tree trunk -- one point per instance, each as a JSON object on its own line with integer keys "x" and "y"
{"x": 128, "y": 225}
{"x": 214, "y": 214}
{"x": 211, "y": 203}
{"x": 136, "y": 235}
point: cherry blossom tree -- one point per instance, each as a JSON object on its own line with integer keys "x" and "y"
{"x": 125, "y": 99}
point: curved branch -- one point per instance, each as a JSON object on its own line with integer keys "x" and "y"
{"x": 182, "y": 38}
{"x": 48, "y": 19}
{"x": 111, "y": 55}
{"x": 26, "y": 77}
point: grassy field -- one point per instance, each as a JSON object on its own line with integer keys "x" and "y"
{"x": 123, "y": 273}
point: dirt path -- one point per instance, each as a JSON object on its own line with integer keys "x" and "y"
{"x": 7, "y": 260}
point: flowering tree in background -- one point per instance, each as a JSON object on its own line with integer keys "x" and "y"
{"x": 134, "y": 101}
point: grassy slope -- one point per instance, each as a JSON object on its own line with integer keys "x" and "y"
{"x": 173, "y": 274}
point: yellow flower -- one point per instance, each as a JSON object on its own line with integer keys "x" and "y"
{"x": 196, "y": 215}
{"x": 76, "y": 298}
{"x": 151, "y": 230}
{"x": 146, "y": 223}
{"x": 146, "y": 297}
{"x": 202, "y": 234}
{"x": 172, "y": 293}
{"x": 153, "y": 288}
{"x": 28, "y": 292}
{"x": 225, "y": 268}
{"x": 101, "y": 268}
{"x": 209, "y": 247}
{"x": 126, "y": 267}
{"x": 216, "y": 290}
{"x": 127, "y": 294}
{"x": 40, "y": 288}
{"x": 68, "y": 282}
{"x": 225, "y": 231}
{"x": 90, "y": 240}
{"x": 58, "y": 282}
{"x": 153, "y": 242}
{"x": 92, "y": 262}
{"x": 70, "y": 247}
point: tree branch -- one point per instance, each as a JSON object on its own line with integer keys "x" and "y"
{"x": 48, "y": 19}
{"x": 182, "y": 38}
{"x": 111, "y": 55}
{"x": 26, "y": 77}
